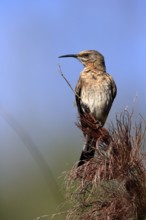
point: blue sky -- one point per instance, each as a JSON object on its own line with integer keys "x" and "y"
{"x": 35, "y": 33}
{"x": 32, "y": 36}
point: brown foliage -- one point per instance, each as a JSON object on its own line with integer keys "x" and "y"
{"x": 112, "y": 185}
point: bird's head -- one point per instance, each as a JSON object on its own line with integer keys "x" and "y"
{"x": 89, "y": 58}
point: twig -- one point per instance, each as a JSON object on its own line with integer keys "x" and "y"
{"x": 61, "y": 73}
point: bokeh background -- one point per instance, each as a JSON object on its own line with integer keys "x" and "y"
{"x": 38, "y": 137}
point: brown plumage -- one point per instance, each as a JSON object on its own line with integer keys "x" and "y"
{"x": 95, "y": 92}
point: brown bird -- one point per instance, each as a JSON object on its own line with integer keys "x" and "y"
{"x": 94, "y": 92}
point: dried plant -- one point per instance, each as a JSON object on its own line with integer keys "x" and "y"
{"x": 112, "y": 185}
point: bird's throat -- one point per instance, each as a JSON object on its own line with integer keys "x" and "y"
{"x": 95, "y": 65}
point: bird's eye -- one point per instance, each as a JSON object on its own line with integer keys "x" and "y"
{"x": 86, "y": 54}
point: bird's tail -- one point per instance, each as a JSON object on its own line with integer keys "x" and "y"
{"x": 88, "y": 151}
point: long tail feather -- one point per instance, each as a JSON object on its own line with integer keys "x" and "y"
{"x": 87, "y": 152}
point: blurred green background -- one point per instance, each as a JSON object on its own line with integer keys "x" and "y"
{"x": 38, "y": 137}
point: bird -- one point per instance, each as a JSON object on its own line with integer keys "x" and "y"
{"x": 94, "y": 93}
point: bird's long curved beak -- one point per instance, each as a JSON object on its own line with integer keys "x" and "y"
{"x": 69, "y": 55}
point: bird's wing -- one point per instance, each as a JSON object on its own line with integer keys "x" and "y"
{"x": 77, "y": 96}
{"x": 113, "y": 87}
